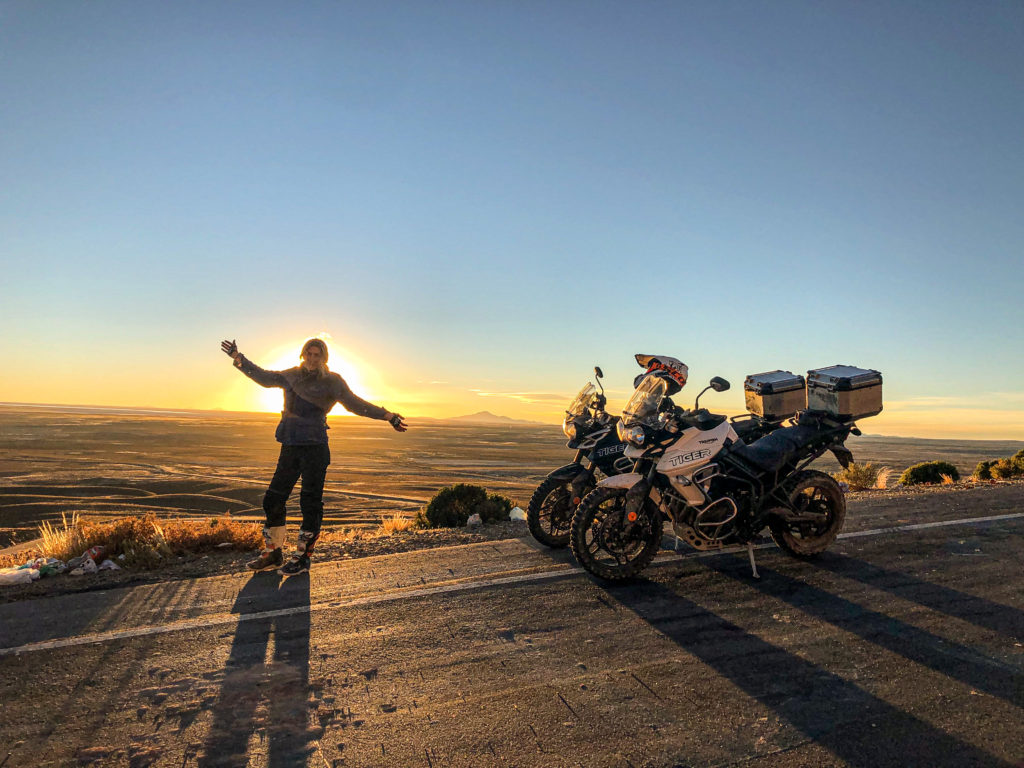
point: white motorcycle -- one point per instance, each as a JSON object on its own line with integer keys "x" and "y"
{"x": 692, "y": 469}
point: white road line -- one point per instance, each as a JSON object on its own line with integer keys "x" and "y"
{"x": 557, "y": 573}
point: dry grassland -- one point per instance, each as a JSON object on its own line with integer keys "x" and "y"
{"x": 202, "y": 466}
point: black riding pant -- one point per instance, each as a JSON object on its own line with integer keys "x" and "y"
{"x": 310, "y": 463}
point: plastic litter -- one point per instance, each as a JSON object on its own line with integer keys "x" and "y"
{"x": 109, "y": 565}
{"x": 225, "y": 544}
{"x": 11, "y": 576}
{"x": 91, "y": 554}
{"x": 89, "y": 566}
{"x": 473, "y": 521}
{"x": 516, "y": 514}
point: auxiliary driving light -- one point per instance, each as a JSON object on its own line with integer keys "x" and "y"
{"x": 632, "y": 435}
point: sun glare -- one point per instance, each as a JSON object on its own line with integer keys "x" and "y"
{"x": 339, "y": 360}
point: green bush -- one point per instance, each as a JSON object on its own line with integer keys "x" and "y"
{"x": 928, "y": 472}
{"x": 859, "y": 477}
{"x": 984, "y": 470}
{"x": 452, "y": 506}
{"x": 1004, "y": 469}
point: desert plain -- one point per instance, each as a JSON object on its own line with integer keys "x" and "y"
{"x": 105, "y": 463}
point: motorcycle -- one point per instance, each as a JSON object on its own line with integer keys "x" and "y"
{"x": 692, "y": 468}
{"x": 592, "y": 434}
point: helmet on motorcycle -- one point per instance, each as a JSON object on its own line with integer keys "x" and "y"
{"x": 668, "y": 368}
{"x": 673, "y": 384}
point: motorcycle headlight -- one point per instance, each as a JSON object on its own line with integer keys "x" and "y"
{"x": 632, "y": 435}
{"x": 569, "y": 428}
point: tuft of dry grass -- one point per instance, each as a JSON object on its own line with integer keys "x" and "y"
{"x": 342, "y": 535}
{"x": 882, "y": 481}
{"x": 144, "y": 541}
{"x": 395, "y": 524}
{"x": 947, "y": 479}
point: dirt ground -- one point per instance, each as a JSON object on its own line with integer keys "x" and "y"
{"x": 971, "y": 499}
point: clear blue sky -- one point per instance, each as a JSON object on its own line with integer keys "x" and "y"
{"x": 499, "y": 195}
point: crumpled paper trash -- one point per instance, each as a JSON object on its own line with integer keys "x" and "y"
{"x": 109, "y": 565}
{"x": 516, "y": 514}
{"x": 474, "y": 521}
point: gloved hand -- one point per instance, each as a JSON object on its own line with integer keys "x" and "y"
{"x": 396, "y": 420}
{"x": 230, "y": 349}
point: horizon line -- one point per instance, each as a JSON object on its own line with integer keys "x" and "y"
{"x": 223, "y": 412}
{"x": 226, "y": 412}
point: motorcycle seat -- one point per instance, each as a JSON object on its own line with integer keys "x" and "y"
{"x": 773, "y": 451}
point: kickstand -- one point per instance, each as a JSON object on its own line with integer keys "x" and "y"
{"x": 753, "y": 565}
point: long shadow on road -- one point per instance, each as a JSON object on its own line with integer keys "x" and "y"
{"x": 974, "y": 610}
{"x": 854, "y": 725}
{"x": 944, "y": 656}
{"x": 267, "y": 698}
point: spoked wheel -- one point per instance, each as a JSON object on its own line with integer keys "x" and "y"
{"x": 606, "y": 543}
{"x": 820, "y": 509}
{"x": 549, "y": 514}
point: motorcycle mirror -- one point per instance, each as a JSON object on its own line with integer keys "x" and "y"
{"x": 598, "y": 372}
{"x": 719, "y": 384}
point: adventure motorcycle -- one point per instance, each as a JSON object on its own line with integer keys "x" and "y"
{"x": 692, "y": 468}
{"x": 591, "y": 432}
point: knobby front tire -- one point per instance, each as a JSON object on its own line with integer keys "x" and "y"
{"x": 549, "y": 513}
{"x": 600, "y": 540}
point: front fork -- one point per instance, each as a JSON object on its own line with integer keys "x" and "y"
{"x": 580, "y": 484}
{"x": 638, "y": 493}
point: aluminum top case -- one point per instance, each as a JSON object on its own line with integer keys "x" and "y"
{"x": 845, "y": 391}
{"x": 775, "y": 395}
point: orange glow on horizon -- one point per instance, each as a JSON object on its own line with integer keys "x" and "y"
{"x": 246, "y": 395}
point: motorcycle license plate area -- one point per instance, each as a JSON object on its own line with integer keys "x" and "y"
{"x": 845, "y": 392}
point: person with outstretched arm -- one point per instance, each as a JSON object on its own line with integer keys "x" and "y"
{"x": 310, "y": 391}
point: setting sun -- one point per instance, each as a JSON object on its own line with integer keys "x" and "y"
{"x": 341, "y": 361}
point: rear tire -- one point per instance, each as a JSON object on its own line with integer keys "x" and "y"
{"x": 549, "y": 513}
{"x": 600, "y": 540}
{"x": 818, "y": 494}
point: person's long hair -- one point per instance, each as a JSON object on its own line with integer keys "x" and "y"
{"x": 322, "y": 369}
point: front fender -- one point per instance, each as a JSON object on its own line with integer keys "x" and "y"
{"x": 568, "y": 472}
{"x": 627, "y": 480}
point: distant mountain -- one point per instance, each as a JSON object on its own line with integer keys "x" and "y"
{"x": 486, "y": 417}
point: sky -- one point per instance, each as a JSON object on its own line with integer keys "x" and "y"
{"x": 475, "y": 203}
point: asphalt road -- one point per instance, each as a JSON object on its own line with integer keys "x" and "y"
{"x": 902, "y": 646}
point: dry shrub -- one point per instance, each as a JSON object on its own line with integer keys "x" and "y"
{"x": 144, "y": 541}
{"x": 883, "y": 478}
{"x": 860, "y": 477}
{"x": 395, "y": 524}
{"x": 947, "y": 479}
{"x": 1005, "y": 469}
{"x": 928, "y": 472}
{"x": 199, "y": 535}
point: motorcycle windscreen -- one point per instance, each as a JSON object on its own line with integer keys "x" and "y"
{"x": 642, "y": 407}
{"x": 582, "y": 400}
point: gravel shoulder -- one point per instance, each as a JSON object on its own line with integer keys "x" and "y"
{"x": 865, "y": 509}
